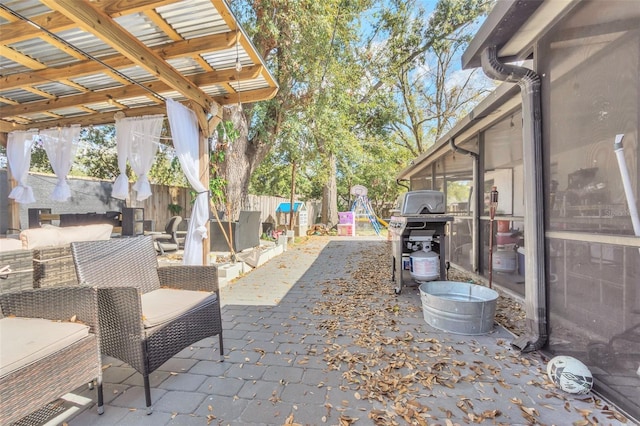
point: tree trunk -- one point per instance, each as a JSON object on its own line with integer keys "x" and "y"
{"x": 330, "y": 194}
{"x": 241, "y": 159}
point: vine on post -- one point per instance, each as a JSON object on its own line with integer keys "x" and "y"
{"x": 226, "y": 135}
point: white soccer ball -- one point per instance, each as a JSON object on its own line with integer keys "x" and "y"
{"x": 570, "y": 374}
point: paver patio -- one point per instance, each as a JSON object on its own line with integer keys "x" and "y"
{"x": 316, "y": 336}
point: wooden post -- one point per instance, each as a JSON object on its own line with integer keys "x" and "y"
{"x": 203, "y": 149}
{"x": 293, "y": 191}
{"x": 207, "y": 127}
{"x": 13, "y": 207}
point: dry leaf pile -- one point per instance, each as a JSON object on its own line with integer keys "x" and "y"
{"x": 402, "y": 373}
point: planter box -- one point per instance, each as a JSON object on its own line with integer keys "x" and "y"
{"x": 278, "y": 250}
{"x": 255, "y": 258}
{"x": 282, "y": 241}
{"x": 230, "y": 271}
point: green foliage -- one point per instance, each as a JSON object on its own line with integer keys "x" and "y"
{"x": 310, "y": 46}
{"x": 97, "y": 157}
{"x": 272, "y": 177}
{"x": 458, "y": 191}
{"x": 227, "y": 134}
{"x": 175, "y": 209}
{"x": 97, "y": 154}
{"x": 39, "y": 159}
{"x": 423, "y": 93}
{"x": 373, "y": 100}
{"x": 166, "y": 169}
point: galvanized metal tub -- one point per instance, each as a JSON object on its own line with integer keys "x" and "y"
{"x": 458, "y": 307}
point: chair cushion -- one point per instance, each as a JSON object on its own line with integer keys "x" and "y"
{"x": 10, "y": 244}
{"x": 166, "y": 304}
{"x": 41, "y": 237}
{"x": 50, "y": 235}
{"x": 27, "y": 340}
{"x": 92, "y": 232}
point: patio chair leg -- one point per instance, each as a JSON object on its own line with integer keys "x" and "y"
{"x": 159, "y": 247}
{"x": 100, "y": 398}
{"x": 221, "y": 347}
{"x": 147, "y": 393}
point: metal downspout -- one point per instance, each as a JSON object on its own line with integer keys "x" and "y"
{"x": 399, "y": 183}
{"x": 535, "y": 269}
{"x": 475, "y": 240}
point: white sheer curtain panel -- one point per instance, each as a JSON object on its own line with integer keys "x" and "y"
{"x": 142, "y": 150}
{"x": 61, "y": 145}
{"x": 138, "y": 142}
{"x": 120, "y": 188}
{"x": 184, "y": 129}
{"x": 19, "y": 145}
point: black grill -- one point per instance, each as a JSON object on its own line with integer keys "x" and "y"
{"x": 418, "y": 211}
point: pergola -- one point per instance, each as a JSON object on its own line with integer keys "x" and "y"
{"x": 69, "y": 62}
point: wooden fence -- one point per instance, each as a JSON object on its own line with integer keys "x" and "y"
{"x": 94, "y": 195}
{"x": 156, "y": 207}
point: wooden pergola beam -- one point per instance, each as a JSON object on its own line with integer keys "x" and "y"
{"x": 56, "y": 21}
{"x": 93, "y": 119}
{"x": 107, "y": 118}
{"x": 204, "y": 79}
{"x": 246, "y": 97}
{"x": 98, "y": 23}
{"x": 168, "y": 51}
{"x": 230, "y": 20}
{"x": 21, "y": 59}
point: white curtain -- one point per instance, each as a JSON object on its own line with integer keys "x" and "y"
{"x": 61, "y": 145}
{"x": 123, "y": 138}
{"x": 184, "y": 129}
{"x": 142, "y": 151}
{"x": 19, "y": 145}
{"x": 137, "y": 141}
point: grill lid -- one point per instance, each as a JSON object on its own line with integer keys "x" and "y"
{"x": 422, "y": 202}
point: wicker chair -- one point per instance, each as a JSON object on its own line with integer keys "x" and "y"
{"x": 148, "y": 314}
{"x": 41, "y": 360}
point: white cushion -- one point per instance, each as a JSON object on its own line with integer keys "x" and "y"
{"x": 27, "y": 340}
{"x": 10, "y": 244}
{"x": 95, "y": 232}
{"x": 165, "y": 304}
{"x": 50, "y": 235}
{"x": 41, "y": 237}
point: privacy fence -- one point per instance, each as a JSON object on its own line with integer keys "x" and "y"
{"x": 94, "y": 195}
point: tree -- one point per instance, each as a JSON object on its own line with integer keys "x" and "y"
{"x": 299, "y": 41}
{"x": 340, "y": 96}
{"x": 415, "y": 63}
{"x": 166, "y": 169}
{"x": 97, "y": 154}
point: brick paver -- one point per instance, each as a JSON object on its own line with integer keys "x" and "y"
{"x": 278, "y": 340}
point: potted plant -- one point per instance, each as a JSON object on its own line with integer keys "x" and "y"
{"x": 175, "y": 209}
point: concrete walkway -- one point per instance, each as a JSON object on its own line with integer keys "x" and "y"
{"x": 316, "y": 336}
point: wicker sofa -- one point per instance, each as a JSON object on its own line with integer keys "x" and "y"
{"x": 41, "y": 360}
{"x": 42, "y": 256}
{"x": 245, "y": 232}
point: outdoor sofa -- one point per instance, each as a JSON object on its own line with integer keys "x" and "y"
{"x": 49, "y": 346}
